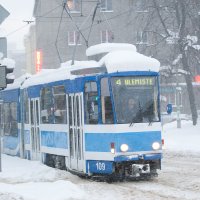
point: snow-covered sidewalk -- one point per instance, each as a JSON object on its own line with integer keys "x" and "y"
{"x": 31, "y": 180}
{"x": 185, "y": 139}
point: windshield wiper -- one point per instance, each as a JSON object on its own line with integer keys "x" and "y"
{"x": 138, "y": 117}
{"x": 150, "y": 118}
{"x": 149, "y": 112}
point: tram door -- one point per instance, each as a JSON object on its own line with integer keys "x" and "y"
{"x": 76, "y": 131}
{"x": 35, "y": 129}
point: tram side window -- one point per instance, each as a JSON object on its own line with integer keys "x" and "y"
{"x": 91, "y": 103}
{"x": 6, "y": 118}
{"x": 26, "y": 108}
{"x": 14, "y": 125}
{"x": 60, "y": 110}
{"x": 46, "y": 106}
{"x": 10, "y": 119}
{"x": 1, "y": 119}
{"x": 106, "y": 103}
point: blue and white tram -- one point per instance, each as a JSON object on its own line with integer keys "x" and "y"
{"x": 10, "y": 122}
{"x": 78, "y": 117}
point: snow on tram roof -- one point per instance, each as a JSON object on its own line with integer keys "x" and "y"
{"x": 123, "y": 60}
{"x": 119, "y": 61}
{"x": 46, "y": 76}
{"x": 109, "y": 47}
{"x": 18, "y": 82}
{"x": 123, "y": 57}
{"x": 62, "y": 73}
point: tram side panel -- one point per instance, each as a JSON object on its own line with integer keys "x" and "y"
{"x": 11, "y": 122}
{"x": 45, "y": 129}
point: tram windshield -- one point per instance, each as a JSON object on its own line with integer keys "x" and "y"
{"x": 135, "y": 99}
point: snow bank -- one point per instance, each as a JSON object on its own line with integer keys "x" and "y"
{"x": 185, "y": 139}
{"x": 35, "y": 171}
{"x": 31, "y": 180}
{"x": 59, "y": 190}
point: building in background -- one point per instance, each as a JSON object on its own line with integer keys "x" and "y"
{"x": 57, "y": 38}
{"x": 102, "y": 21}
{"x": 30, "y": 47}
{"x": 19, "y": 57}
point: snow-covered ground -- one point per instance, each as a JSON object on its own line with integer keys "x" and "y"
{"x": 185, "y": 139}
{"x": 178, "y": 179}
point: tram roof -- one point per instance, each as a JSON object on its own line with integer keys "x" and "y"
{"x": 18, "y": 82}
{"x": 125, "y": 60}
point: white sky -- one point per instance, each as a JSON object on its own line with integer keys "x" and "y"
{"x": 19, "y": 10}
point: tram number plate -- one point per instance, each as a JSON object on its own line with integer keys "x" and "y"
{"x": 102, "y": 167}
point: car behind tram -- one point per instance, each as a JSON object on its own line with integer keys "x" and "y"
{"x": 78, "y": 117}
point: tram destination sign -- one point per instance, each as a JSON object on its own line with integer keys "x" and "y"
{"x": 133, "y": 81}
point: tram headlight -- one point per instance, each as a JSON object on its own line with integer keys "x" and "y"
{"x": 156, "y": 145}
{"x": 124, "y": 147}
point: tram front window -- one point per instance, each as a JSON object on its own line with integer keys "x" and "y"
{"x": 135, "y": 99}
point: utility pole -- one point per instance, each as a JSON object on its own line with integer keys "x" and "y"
{"x": 178, "y": 93}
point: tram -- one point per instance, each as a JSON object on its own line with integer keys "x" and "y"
{"x": 79, "y": 117}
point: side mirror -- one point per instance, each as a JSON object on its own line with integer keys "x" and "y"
{"x": 169, "y": 108}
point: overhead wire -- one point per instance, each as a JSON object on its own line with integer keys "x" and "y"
{"x": 60, "y": 59}
{"x": 48, "y": 12}
{"x": 16, "y": 30}
{"x": 66, "y": 8}
{"x": 84, "y": 29}
{"x": 22, "y": 27}
{"x": 93, "y": 17}
{"x": 38, "y": 19}
{"x": 78, "y": 36}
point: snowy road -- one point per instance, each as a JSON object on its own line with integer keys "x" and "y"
{"x": 178, "y": 180}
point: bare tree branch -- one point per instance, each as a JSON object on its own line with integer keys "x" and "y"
{"x": 160, "y": 17}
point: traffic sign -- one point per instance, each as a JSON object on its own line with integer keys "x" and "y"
{"x": 3, "y": 14}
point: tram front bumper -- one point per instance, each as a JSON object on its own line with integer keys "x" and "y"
{"x": 138, "y": 157}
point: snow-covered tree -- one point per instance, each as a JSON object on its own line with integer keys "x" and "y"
{"x": 175, "y": 26}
